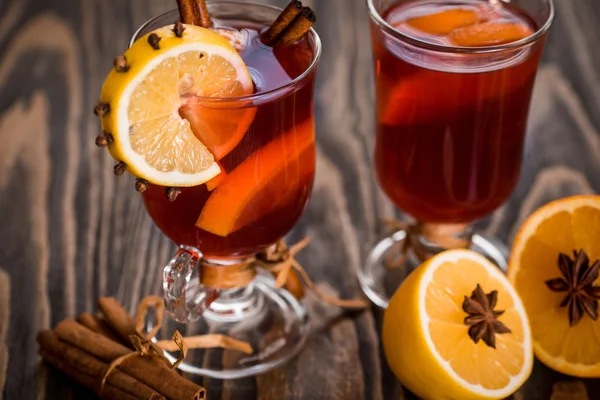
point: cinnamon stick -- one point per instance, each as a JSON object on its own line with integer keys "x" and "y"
{"x": 204, "y": 16}
{"x": 151, "y": 371}
{"x": 97, "y": 325}
{"x": 89, "y": 371}
{"x": 194, "y": 12}
{"x": 293, "y": 9}
{"x": 117, "y": 318}
{"x": 298, "y": 28}
{"x": 109, "y": 393}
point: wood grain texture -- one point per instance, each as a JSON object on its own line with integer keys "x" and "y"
{"x": 71, "y": 232}
{"x": 4, "y": 320}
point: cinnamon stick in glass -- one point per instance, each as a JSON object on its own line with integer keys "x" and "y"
{"x": 151, "y": 371}
{"x": 298, "y": 28}
{"x": 194, "y": 12}
{"x": 293, "y": 9}
{"x": 89, "y": 371}
{"x": 204, "y": 16}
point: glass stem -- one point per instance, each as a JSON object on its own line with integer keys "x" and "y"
{"x": 428, "y": 239}
{"x": 233, "y": 304}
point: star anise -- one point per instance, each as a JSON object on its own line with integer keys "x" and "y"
{"x": 578, "y": 278}
{"x": 482, "y": 319}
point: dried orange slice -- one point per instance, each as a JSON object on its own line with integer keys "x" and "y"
{"x": 255, "y": 186}
{"x": 444, "y": 22}
{"x": 428, "y": 345}
{"x": 165, "y": 72}
{"x": 563, "y": 226}
{"x": 489, "y": 34}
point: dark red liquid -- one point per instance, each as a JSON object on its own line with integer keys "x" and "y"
{"x": 450, "y": 128}
{"x": 274, "y": 162}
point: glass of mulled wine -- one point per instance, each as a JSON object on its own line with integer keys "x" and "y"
{"x": 453, "y": 81}
{"x": 267, "y": 179}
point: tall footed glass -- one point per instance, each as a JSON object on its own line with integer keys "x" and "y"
{"x": 453, "y": 82}
{"x": 267, "y": 174}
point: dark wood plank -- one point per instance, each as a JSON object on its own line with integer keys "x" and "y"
{"x": 72, "y": 232}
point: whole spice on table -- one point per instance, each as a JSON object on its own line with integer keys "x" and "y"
{"x": 82, "y": 351}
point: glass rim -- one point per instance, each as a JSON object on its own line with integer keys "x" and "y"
{"x": 389, "y": 29}
{"x": 249, "y": 97}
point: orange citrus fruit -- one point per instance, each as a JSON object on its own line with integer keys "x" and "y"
{"x": 217, "y": 180}
{"x": 164, "y": 74}
{"x": 489, "y": 34}
{"x": 444, "y": 22}
{"x": 257, "y": 185}
{"x": 427, "y": 342}
{"x": 562, "y": 226}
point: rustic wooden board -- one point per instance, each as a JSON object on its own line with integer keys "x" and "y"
{"x": 71, "y": 232}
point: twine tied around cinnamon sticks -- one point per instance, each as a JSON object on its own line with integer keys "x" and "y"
{"x": 280, "y": 261}
{"x": 142, "y": 341}
{"x": 447, "y": 236}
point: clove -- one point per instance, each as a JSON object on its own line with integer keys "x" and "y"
{"x": 141, "y": 185}
{"x": 178, "y": 29}
{"x": 153, "y": 40}
{"x": 172, "y": 193}
{"x": 102, "y": 109}
{"x": 104, "y": 139}
{"x": 120, "y": 64}
{"x": 120, "y": 168}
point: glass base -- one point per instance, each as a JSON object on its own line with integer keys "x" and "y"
{"x": 379, "y": 282}
{"x": 271, "y": 320}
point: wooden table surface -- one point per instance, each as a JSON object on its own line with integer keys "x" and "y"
{"x": 71, "y": 232}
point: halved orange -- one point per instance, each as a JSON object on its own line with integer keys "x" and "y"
{"x": 253, "y": 188}
{"x": 164, "y": 73}
{"x": 561, "y": 226}
{"x": 427, "y": 342}
{"x": 444, "y": 22}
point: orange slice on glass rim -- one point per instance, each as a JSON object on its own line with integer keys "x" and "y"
{"x": 428, "y": 344}
{"x": 165, "y": 72}
{"x": 254, "y": 187}
{"x": 563, "y": 226}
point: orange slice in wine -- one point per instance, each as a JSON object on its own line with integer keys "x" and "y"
{"x": 442, "y": 23}
{"x": 251, "y": 190}
{"x": 489, "y": 34}
{"x": 217, "y": 180}
{"x": 220, "y": 130}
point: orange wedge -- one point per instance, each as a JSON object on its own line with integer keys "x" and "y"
{"x": 559, "y": 227}
{"x": 220, "y": 130}
{"x": 427, "y": 342}
{"x": 253, "y": 188}
{"x": 442, "y": 23}
{"x": 489, "y": 34}
{"x": 217, "y": 180}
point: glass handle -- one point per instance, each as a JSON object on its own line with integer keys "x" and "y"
{"x": 185, "y": 297}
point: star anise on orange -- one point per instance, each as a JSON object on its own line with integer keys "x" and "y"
{"x": 578, "y": 278}
{"x": 483, "y": 319}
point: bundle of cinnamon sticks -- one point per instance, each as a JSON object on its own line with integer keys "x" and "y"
{"x": 291, "y": 25}
{"x": 84, "y": 350}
